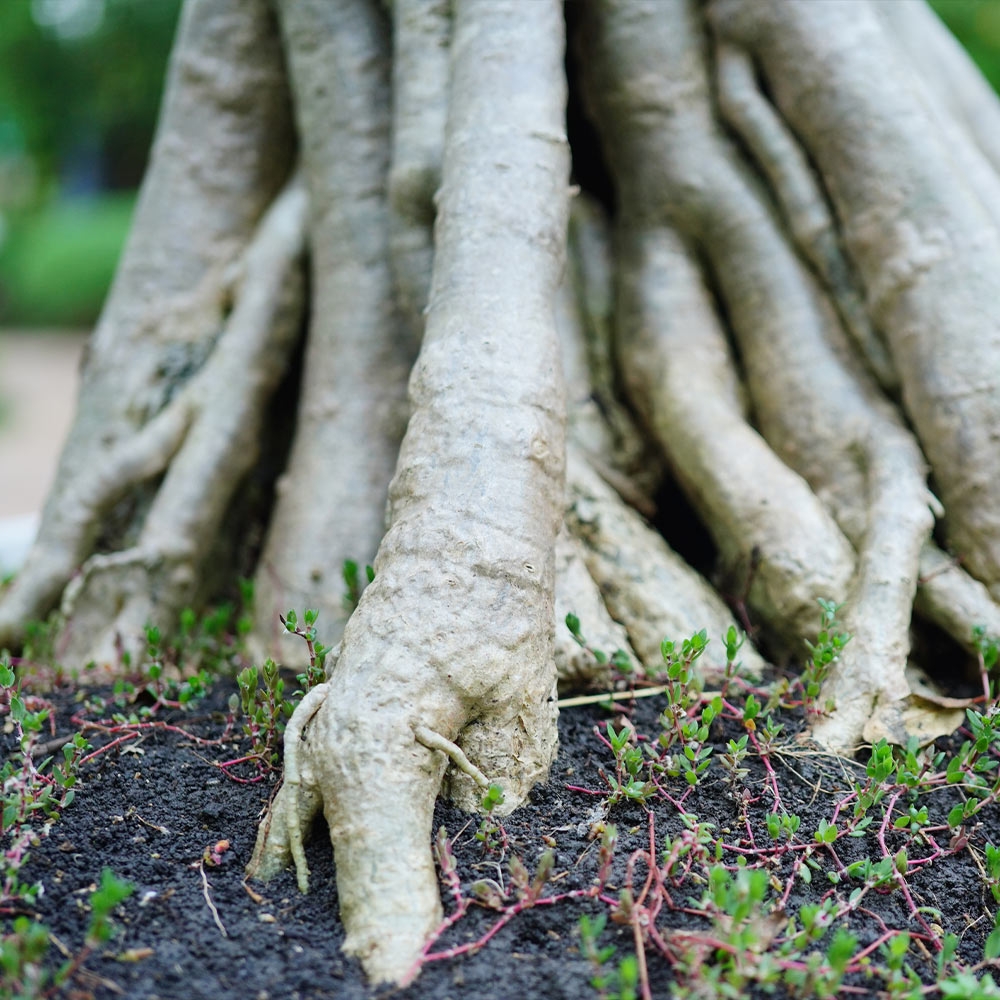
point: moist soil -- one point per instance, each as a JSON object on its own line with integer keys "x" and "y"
{"x": 151, "y": 808}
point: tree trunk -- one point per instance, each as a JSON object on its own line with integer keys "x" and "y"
{"x": 776, "y": 319}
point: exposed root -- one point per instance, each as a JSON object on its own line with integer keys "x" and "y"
{"x": 578, "y": 594}
{"x": 421, "y": 38}
{"x": 352, "y": 408}
{"x": 798, "y": 193}
{"x": 645, "y": 585}
{"x": 452, "y": 640}
{"x": 219, "y": 412}
{"x": 954, "y": 600}
{"x": 961, "y": 100}
{"x": 915, "y": 229}
{"x": 435, "y": 741}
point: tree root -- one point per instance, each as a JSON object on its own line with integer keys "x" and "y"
{"x": 421, "y": 40}
{"x": 963, "y": 104}
{"x": 351, "y": 414}
{"x": 577, "y": 594}
{"x": 223, "y": 407}
{"x": 914, "y": 227}
{"x": 453, "y": 637}
{"x": 645, "y": 585}
{"x": 847, "y": 443}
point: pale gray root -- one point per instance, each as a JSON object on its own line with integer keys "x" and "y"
{"x": 421, "y": 35}
{"x": 576, "y": 593}
{"x": 283, "y": 841}
{"x": 575, "y": 590}
{"x": 645, "y": 584}
{"x": 609, "y": 550}
{"x": 771, "y": 530}
{"x": 621, "y": 452}
{"x": 331, "y": 497}
{"x": 646, "y": 83}
{"x": 455, "y": 632}
{"x": 800, "y": 197}
{"x": 219, "y": 413}
{"x": 948, "y": 73}
{"x": 925, "y": 43}
{"x": 223, "y": 149}
{"x": 915, "y": 229}
{"x": 954, "y": 600}
{"x": 846, "y": 441}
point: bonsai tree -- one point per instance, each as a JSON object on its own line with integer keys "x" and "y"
{"x": 366, "y": 312}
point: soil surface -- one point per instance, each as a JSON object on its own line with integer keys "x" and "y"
{"x": 152, "y": 808}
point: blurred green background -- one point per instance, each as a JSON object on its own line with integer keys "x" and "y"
{"x": 80, "y": 85}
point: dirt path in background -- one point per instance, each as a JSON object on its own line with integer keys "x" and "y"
{"x": 38, "y": 378}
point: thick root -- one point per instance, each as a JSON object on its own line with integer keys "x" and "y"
{"x": 421, "y": 39}
{"x": 645, "y": 585}
{"x": 453, "y": 637}
{"x": 352, "y": 408}
{"x": 649, "y": 89}
{"x": 578, "y": 594}
{"x": 915, "y": 228}
{"x": 223, "y": 408}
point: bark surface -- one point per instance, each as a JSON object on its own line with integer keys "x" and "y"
{"x": 452, "y": 642}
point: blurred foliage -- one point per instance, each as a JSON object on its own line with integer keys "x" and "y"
{"x": 976, "y": 24}
{"x": 56, "y": 265}
{"x": 66, "y": 96}
{"x": 80, "y": 87}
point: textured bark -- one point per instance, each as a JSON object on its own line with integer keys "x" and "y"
{"x": 915, "y": 228}
{"x": 351, "y": 415}
{"x": 455, "y": 633}
{"x": 218, "y": 415}
{"x": 646, "y": 586}
{"x": 672, "y": 349}
{"x": 421, "y": 39}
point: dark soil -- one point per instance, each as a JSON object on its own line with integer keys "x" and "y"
{"x": 150, "y": 808}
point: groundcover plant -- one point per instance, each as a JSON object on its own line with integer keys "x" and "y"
{"x": 689, "y": 842}
{"x": 742, "y": 307}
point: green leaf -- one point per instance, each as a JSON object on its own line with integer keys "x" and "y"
{"x": 991, "y": 949}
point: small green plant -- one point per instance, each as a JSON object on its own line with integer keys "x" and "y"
{"x": 629, "y": 763}
{"x": 612, "y": 982}
{"x": 33, "y": 793}
{"x": 23, "y": 951}
{"x": 353, "y": 585}
{"x": 491, "y": 833}
{"x": 823, "y": 654}
{"x": 315, "y": 673}
{"x": 262, "y": 699}
{"x": 265, "y": 709}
